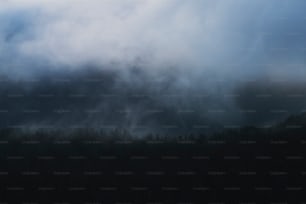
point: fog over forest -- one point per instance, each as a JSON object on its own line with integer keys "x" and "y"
{"x": 151, "y": 65}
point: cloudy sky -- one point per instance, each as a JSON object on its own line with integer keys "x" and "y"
{"x": 156, "y": 47}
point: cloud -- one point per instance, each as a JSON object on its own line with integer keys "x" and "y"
{"x": 154, "y": 33}
{"x": 105, "y": 32}
{"x": 190, "y": 48}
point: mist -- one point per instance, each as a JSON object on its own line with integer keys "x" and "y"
{"x": 151, "y": 65}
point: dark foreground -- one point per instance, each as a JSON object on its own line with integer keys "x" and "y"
{"x": 238, "y": 166}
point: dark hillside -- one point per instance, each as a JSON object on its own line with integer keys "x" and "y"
{"x": 248, "y": 165}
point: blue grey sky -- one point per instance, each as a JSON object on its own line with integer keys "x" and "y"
{"x": 175, "y": 51}
{"x": 249, "y": 37}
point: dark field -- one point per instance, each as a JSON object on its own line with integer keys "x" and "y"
{"x": 248, "y": 165}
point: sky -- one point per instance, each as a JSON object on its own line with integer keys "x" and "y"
{"x": 157, "y": 47}
{"x": 155, "y": 34}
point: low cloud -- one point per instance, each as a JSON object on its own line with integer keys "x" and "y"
{"x": 159, "y": 48}
{"x": 159, "y": 34}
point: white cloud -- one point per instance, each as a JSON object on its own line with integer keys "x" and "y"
{"x": 103, "y": 32}
{"x": 154, "y": 33}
